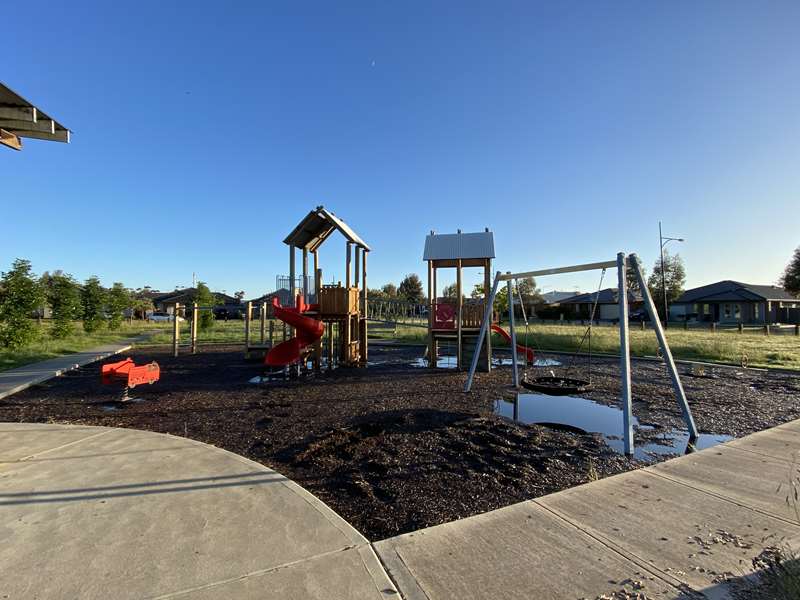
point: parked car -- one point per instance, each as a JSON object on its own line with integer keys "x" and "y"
{"x": 635, "y": 316}
{"x": 163, "y": 317}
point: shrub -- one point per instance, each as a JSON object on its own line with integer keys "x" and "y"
{"x": 20, "y": 296}
{"x": 117, "y": 301}
{"x": 93, "y": 298}
{"x": 64, "y": 298}
{"x": 204, "y": 297}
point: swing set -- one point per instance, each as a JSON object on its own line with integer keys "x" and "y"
{"x": 564, "y": 385}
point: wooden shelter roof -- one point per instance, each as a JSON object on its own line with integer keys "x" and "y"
{"x": 315, "y": 228}
{"x": 21, "y": 119}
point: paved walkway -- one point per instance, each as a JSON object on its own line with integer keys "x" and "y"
{"x": 16, "y": 380}
{"x": 667, "y": 531}
{"x": 94, "y": 512}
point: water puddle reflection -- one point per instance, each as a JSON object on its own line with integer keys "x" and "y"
{"x": 584, "y": 415}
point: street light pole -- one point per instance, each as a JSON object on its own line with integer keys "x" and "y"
{"x": 663, "y": 241}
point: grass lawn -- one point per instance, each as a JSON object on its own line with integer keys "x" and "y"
{"x": 46, "y": 347}
{"x": 222, "y": 332}
{"x": 728, "y": 346}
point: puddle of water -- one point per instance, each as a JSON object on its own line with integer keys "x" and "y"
{"x": 571, "y": 413}
{"x": 449, "y": 362}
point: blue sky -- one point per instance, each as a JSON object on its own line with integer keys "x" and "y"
{"x": 203, "y": 131}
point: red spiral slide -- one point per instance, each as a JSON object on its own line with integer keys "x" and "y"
{"x": 520, "y": 348}
{"x": 307, "y": 331}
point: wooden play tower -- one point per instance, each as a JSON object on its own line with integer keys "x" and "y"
{"x": 456, "y": 319}
{"x": 342, "y": 308}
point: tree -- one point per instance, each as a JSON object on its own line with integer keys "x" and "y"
{"x": 118, "y": 300}
{"x": 204, "y": 297}
{"x": 390, "y": 290}
{"x": 93, "y": 298}
{"x": 411, "y": 289}
{"x": 450, "y": 291}
{"x": 675, "y": 276}
{"x": 526, "y": 288}
{"x": 64, "y": 297}
{"x": 631, "y": 279}
{"x": 20, "y": 296}
{"x": 239, "y": 295}
{"x": 790, "y": 280}
{"x": 141, "y": 306}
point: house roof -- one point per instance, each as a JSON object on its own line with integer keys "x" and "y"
{"x": 21, "y": 119}
{"x": 455, "y": 246}
{"x": 734, "y": 291}
{"x": 189, "y": 293}
{"x": 317, "y": 226}
{"x": 607, "y": 296}
{"x": 555, "y": 297}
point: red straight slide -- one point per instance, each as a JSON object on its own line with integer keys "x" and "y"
{"x": 520, "y": 348}
{"x": 307, "y": 331}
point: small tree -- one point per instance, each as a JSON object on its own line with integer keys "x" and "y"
{"x": 20, "y": 296}
{"x": 390, "y": 290}
{"x": 93, "y": 298}
{"x": 450, "y": 291}
{"x": 117, "y": 301}
{"x": 790, "y": 280}
{"x": 526, "y": 288}
{"x": 64, "y": 297}
{"x": 411, "y": 289}
{"x": 204, "y": 297}
{"x": 631, "y": 279}
{"x": 674, "y": 276}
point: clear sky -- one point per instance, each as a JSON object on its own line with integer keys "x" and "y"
{"x": 203, "y": 131}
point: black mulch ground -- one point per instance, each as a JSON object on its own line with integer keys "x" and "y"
{"x": 394, "y": 448}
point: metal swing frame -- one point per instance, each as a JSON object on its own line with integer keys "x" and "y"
{"x": 621, "y": 264}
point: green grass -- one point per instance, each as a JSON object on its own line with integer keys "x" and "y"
{"x": 727, "y": 346}
{"x": 222, "y": 332}
{"x": 45, "y": 347}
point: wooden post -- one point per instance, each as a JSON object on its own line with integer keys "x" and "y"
{"x": 460, "y": 305}
{"x": 271, "y": 334}
{"x": 357, "y": 270}
{"x": 248, "y": 315}
{"x": 348, "y": 264}
{"x": 345, "y": 351}
{"x": 741, "y": 328}
{"x": 431, "y": 349}
{"x": 291, "y": 275}
{"x": 176, "y": 329}
{"x": 365, "y": 300}
{"x": 317, "y": 287}
{"x": 193, "y": 330}
{"x": 487, "y": 284}
{"x": 305, "y": 274}
{"x": 262, "y": 314}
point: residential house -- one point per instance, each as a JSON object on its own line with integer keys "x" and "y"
{"x": 734, "y": 302}
{"x": 580, "y": 306}
{"x": 166, "y": 301}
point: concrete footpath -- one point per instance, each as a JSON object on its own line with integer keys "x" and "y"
{"x": 684, "y": 527}
{"x": 94, "y": 512}
{"x": 16, "y": 380}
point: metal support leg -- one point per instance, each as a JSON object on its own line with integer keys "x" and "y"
{"x": 625, "y": 354}
{"x": 680, "y": 395}
{"x": 515, "y": 371}
{"x": 487, "y": 317}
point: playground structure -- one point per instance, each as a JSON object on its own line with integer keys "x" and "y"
{"x": 453, "y": 319}
{"x": 340, "y": 311}
{"x": 621, "y": 263}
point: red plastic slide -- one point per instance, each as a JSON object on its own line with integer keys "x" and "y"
{"x": 520, "y": 348}
{"x": 307, "y": 331}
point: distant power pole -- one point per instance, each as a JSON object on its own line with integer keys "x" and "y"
{"x": 194, "y": 279}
